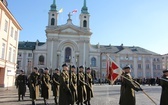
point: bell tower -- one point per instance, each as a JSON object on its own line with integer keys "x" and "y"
{"x": 52, "y": 15}
{"x": 84, "y": 17}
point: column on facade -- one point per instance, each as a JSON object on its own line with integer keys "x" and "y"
{"x": 151, "y": 70}
{"x": 144, "y": 66}
{"x": 135, "y": 66}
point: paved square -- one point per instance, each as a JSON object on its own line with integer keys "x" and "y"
{"x": 103, "y": 95}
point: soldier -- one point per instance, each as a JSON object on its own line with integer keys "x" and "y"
{"x": 129, "y": 85}
{"x": 46, "y": 86}
{"x": 21, "y": 82}
{"x": 73, "y": 85}
{"x": 81, "y": 86}
{"x": 89, "y": 89}
{"x": 65, "y": 95}
{"x": 164, "y": 84}
{"x": 34, "y": 81}
{"x": 55, "y": 85}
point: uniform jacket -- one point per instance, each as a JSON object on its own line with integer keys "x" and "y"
{"x": 73, "y": 86}
{"x": 81, "y": 87}
{"x": 55, "y": 84}
{"x": 127, "y": 93}
{"x": 164, "y": 93}
{"x": 34, "y": 81}
{"x": 46, "y": 86}
{"x": 65, "y": 95}
{"x": 21, "y": 82}
{"x": 89, "y": 88}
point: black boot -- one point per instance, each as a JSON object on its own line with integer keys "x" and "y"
{"x": 22, "y": 97}
{"x": 89, "y": 102}
{"x": 33, "y": 102}
{"x": 19, "y": 98}
{"x": 55, "y": 99}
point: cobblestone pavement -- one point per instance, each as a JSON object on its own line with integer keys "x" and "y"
{"x": 103, "y": 95}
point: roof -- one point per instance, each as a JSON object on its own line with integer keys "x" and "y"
{"x": 117, "y": 49}
{"x": 25, "y": 45}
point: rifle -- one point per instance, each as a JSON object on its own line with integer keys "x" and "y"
{"x": 70, "y": 76}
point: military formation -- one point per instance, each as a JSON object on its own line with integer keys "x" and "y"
{"x": 74, "y": 86}
{"x": 71, "y": 86}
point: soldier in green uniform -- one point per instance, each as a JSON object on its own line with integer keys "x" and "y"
{"x": 129, "y": 86}
{"x": 164, "y": 85}
{"x": 81, "y": 86}
{"x": 65, "y": 95}
{"x": 46, "y": 85}
{"x": 34, "y": 81}
{"x": 73, "y": 85}
{"x": 89, "y": 88}
{"x": 21, "y": 82}
{"x": 55, "y": 85}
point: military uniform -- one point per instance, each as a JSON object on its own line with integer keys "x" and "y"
{"x": 164, "y": 93}
{"x": 128, "y": 94}
{"x": 65, "y": 95}
{"x": 73, "y": 87}
{"x": 45, "y": 87}
{"x": 21, "y": 82}
{"x": 89, "y": 89}
{"x": 55, "y": 86}
{"x": 81, "y": 87}
{"x": 34, "y": 81}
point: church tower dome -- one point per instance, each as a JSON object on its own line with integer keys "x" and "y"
{"x": 52, "y": 15}
{"x": 84, "y": 17}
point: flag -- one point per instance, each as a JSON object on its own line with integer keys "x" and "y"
{"x": 74, "y": 11}
{"x": 113, "y": 70}
{"x": 61, "y": 10}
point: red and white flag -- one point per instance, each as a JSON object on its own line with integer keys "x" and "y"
{"x": 74, "y": 11}
{"x": 113, "y": 70}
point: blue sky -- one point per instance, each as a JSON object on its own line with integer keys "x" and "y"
{"x": 142, "y": 23}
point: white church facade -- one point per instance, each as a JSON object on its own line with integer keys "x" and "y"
{"x": 70, "y": 44}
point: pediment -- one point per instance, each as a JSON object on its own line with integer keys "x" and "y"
{"x": 126, "y": 51}
{"x": 69, "y": 30}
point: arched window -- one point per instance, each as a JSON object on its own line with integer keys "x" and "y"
{"x": 52, "y": 21}
{"x": 84, "y": 23}
{"x": 41, "y": 60}
{"x": 68, "y": 55}
{"x": 93, "y": 62}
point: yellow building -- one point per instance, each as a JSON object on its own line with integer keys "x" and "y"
{"x": 9, "y": 36}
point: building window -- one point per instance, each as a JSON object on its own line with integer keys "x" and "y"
{"x": 11, "y": 31}
{"x": 6, "y": 26}
{"x": 41, "y": 60}
{"x": 19, "y": 54}
{"x": 18, "y": 64}
{"x": 121, "y": 58}
{"x": 104, "y": 65}
{"x": 3, "y": 51}
{"x": 158, "y": 67}
{"x": 130, "y": 58}
{"x": 147, "y": 66}
{"x": 154, "y": 67}
{"x": 68, "y": 55}
{"x": 139, "y": 66}
{"x": 84, "y": 23}
{"x": 139, "y": 58}
{"x": 52, "y": 21}
{"x": 16, "y": 34}
{"x": 52, "y": 14}
{"x": 29, "y": 54}
{"x": 158, "y": 60}
{"x": 84, "y": 16}
{"x": 93, "y": 62}
{"x": 10, "y": 52}
{"x": 14, "y": 55}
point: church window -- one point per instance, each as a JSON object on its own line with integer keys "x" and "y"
{"x": 84, "y": 23}
{"x": 84, "y": 16}
{"x": 68, "y": 55}
{"x": 52, "y": 14}
{"x": 41, "y": 60}
{"x": 52, "y": 21}
{"x": 93, "y": 62}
